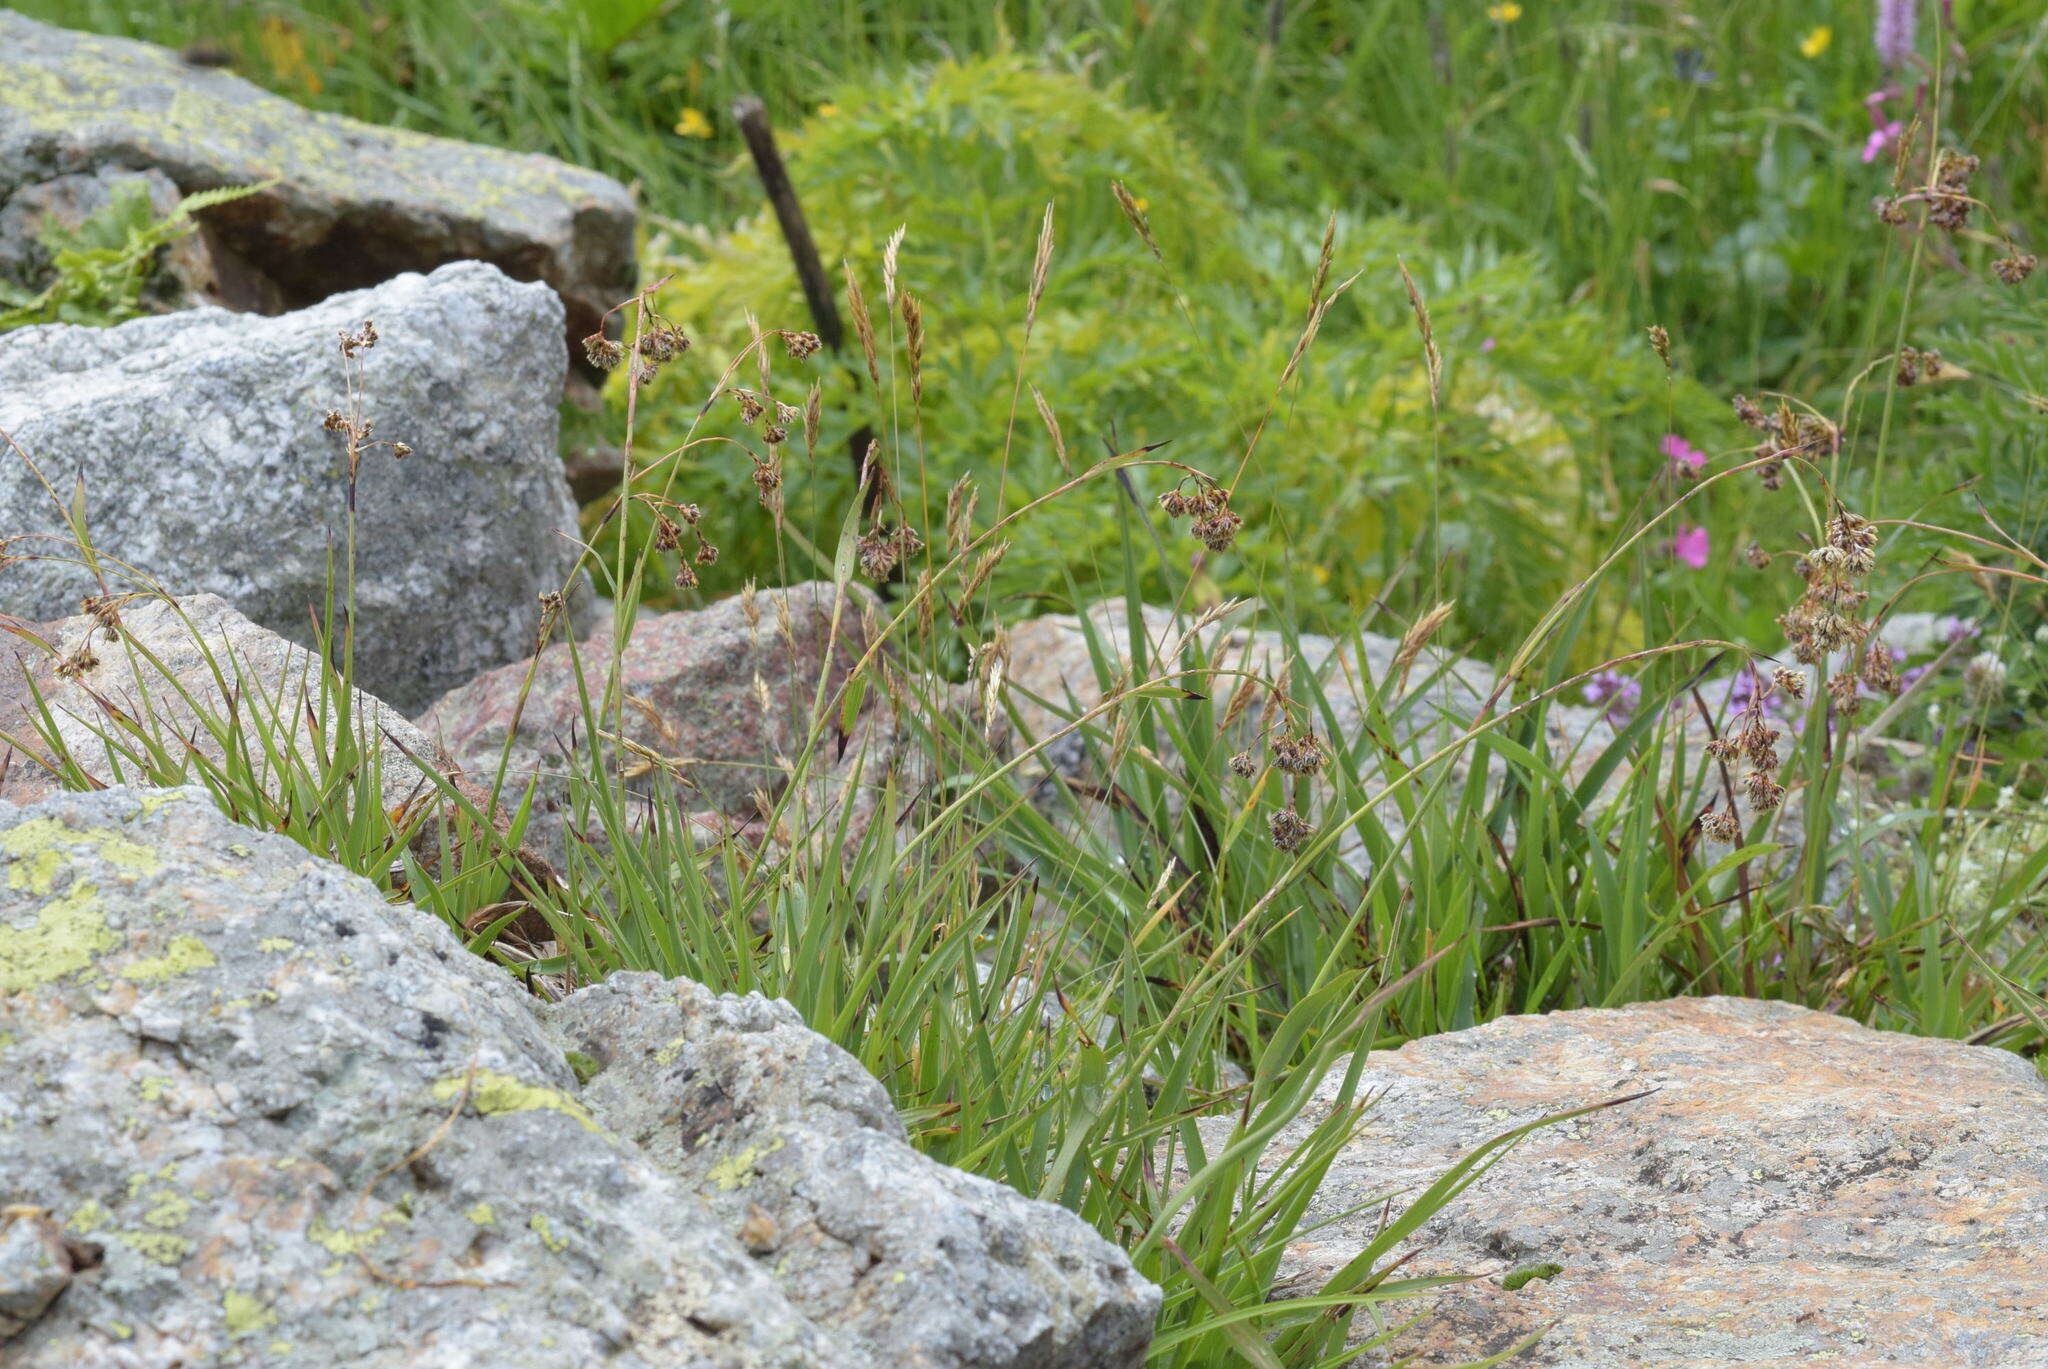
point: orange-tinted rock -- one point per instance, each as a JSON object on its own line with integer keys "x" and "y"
{"x": 1799, "y": 1190}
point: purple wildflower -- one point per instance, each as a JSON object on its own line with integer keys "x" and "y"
{"x": 1686, "y": 459}
{"x": 1691, "y": 547}
{"x": 1954, "y": 629}
{"x": 1881, "y": 138}
{"x": 1614, "y": 693}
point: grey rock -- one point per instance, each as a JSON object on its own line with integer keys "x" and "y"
{"x": 1798, "y": 1189}
{"x": 285, "y": 1122}
{"x": 353, "y": 204}
{"x": 180, "y": 669}
{"x": 307, "y": 1128}
{"x": 198, "y": 439}
{"x": 1054, "y": 677}
{"x": 800, "y": 1155}
{"x": 722, "y": 696}
{"x": 34, "y": 1267}
{"x": 183, "y": 275}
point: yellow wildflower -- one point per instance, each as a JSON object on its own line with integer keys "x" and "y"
{"x": 693, "y": 124}
{"x": 1504, "y": 13}
{"x": 1815, "y": 43}
{"x": 827, "y": 110}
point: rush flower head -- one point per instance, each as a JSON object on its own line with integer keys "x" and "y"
{"x": 1298, "y": 753}
{"x": 1289, "y": 830}
{"x": 2013, "y": 269}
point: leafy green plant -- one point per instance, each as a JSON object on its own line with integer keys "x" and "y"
{"x": 100, "y": 267}
{"x": 1173, "y": 337}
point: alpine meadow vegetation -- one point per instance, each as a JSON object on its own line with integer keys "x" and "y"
{"x": 1663, "y": 382}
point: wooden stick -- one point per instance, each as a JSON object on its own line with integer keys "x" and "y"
{"x": 752, "y": 117}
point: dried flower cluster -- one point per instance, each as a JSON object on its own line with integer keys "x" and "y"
{"x": 356, "y": 341}
{"x": 105, "y": 609}
{"x": 1829, "y": 614}
{"x": 1752, "y": 739}
{"x": 674, "y": 524}
{"x": 1289, "y": 830}
{"x": 884, "y": 547}
{"x": 1298, "y": 752}
{"x": 356, "y": 430}
{"x": 1214, "y": 525}
{"x": 1787, "y": 433}
{"x": 660, "y": 343}
{"x": 1660, "y": 343}
{"x": 2014, "y": 267}
{"x": 1916, "y": 366}
{"x": 78, "y": 662}
{"x": 1949, "y": 205}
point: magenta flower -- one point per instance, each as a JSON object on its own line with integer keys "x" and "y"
{"x": 1881, "y": 138}
{"x": 1690, "y": 546}
{"x": 1685, "y": 459}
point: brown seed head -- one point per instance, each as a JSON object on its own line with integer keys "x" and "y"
{"x": 1298, "y": 753}
{"x": 1722, "y": 827}
{"x": 1660, "y": 343}
{"x": 1289, "y": 830}
{"x": 2013, "y": 269}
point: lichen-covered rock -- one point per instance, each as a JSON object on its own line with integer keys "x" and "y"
{"x": 353, "y": 204}
{"x": 722, "y": 696}
{"x": 35, "y": 1265}
{"x": 277, "y": 1120}
{"x": 178, "y": 669}
{"x": 199, "y": 443}
{"x": 1798, "y": 1190}
{"x": 801, "y": 1156}
{"x": 302, "y": 1127}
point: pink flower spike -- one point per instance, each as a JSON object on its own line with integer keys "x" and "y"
{"x": 1685, "y": 458}
{"x": 1690, "y": 546}
{"x": 1486, "y": 346}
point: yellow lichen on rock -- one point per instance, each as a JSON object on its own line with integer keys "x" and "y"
{"x": 184, "y": 955}
{"x": 491, "y": 1093}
